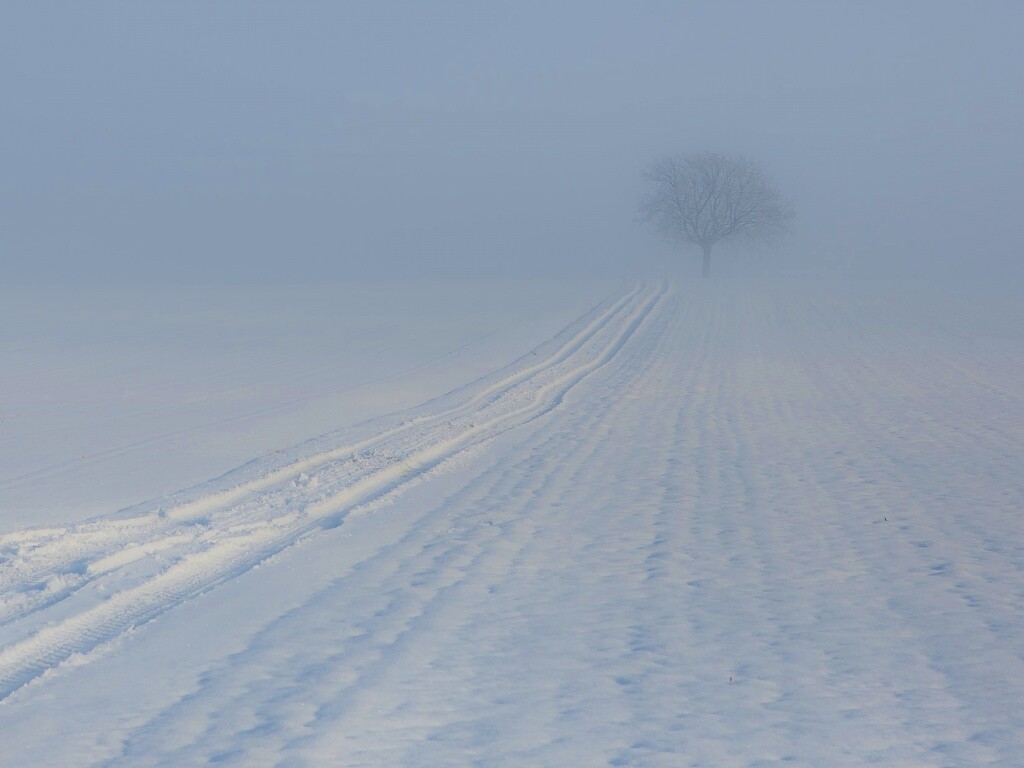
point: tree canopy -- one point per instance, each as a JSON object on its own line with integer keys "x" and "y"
{"x": 707, "y": 198}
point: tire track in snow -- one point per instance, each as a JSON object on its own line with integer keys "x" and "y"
{"x": 60, "y": 561}
{"x": 449, "y": 617}
{"x": 442, "y": 552}
{"x": 238, "y": 548}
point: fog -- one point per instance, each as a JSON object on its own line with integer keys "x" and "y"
{"x": 289, "y": 142}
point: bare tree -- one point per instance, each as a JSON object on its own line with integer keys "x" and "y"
{"x": 709, "y": 198}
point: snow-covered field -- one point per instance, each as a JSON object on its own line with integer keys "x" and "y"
{"x": 110, "y": 397}
{"x": 701, "y": 525}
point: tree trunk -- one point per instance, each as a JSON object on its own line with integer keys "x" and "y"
{"x": 706, "y": 271}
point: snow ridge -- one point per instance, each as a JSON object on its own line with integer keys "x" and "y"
{"x": 66, "y": 591}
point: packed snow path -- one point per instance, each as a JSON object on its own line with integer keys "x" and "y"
{"x": 712, "y": 527}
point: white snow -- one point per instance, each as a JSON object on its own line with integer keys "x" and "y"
{"x": 708, "y": 525}
{"x": 113, "y": 396}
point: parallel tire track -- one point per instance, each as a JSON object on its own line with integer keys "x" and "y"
{"x": 509, "y": 403}
{"x": 53, "y": 566}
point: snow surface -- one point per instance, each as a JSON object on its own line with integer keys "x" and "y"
{"x": 702, "y": 526}
{"x": 113, "y": 396}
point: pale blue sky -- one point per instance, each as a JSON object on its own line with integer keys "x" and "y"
{"x": 298, "y": 140}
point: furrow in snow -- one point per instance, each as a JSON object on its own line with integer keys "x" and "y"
{"x": 48, "y": 565}
{"x": 235, "y": 549}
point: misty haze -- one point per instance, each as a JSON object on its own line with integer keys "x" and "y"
{"x": 476, "y": 384}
